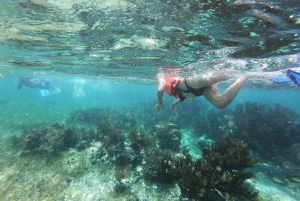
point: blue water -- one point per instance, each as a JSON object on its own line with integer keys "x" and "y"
{"x": 88, "y": 92}
{"x": 106, "y": 54}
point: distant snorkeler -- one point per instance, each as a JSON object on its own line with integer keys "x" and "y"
{"x": 40, "y": 84}
{"x": 194, "y": 86}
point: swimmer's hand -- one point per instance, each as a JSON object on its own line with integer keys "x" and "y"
{"x": 158, "y": 106}
{"x": 174, "y": 104}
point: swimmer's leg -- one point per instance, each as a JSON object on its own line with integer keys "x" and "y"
{"x": 198, "y": 82}
{"x": 213, "y": 95}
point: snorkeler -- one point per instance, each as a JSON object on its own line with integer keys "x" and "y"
{"x": 35, "y": 83}
{"x": 192, "y": 87}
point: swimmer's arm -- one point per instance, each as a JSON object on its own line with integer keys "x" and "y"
{"x": 160, "y": 93}
{"x": 175, "y": 103}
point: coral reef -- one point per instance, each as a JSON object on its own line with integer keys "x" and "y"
{"x": 55, "y": 138}
{"x": 161, "y": 165}
{"x": 267, "y": 131}
{"x": 110, "y": 145}
{"x": 140, "y": 140}
{"x": 220, "y": 172}
{"x": 47, "y": 140}
{"x": 143, "y": 149}
{"x": 121, "y": 174}
{"x": 111, "y": 137}
{"x": 169, "y": 136}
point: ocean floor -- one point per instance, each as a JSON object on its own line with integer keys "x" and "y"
{"x": 72, "y": 176}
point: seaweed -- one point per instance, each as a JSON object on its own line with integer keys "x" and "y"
{"x": 123, "y": 173}
{"x": 169, "y": 136}
{"x": 111, "y": 137}
{"x": 47, "y": 140}
{"x": 220, "y": 172}
{"x": 161, "y": 166}
{"x": 230, "y": 154}
{"x": 269, "y": 131}
{"x": 140, "y": 140}
{"x": 54, "y": 139}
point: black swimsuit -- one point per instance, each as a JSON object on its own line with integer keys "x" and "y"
{"x": 196, "y": 92}
{"x": 178, "y": 91}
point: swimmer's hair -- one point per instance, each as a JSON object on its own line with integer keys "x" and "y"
{"x": 160, "y": 75}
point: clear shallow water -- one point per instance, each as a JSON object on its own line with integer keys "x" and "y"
{"x": 135, "y": 38}
{"x": 105, "y": 54}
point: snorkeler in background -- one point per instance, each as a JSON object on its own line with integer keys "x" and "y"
{"x": 40, "y": 84}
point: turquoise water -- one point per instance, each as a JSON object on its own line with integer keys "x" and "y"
{"x": 28, "y": 103}
{"x": 28, "y": 109}
{"x": 97, "y": 135}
